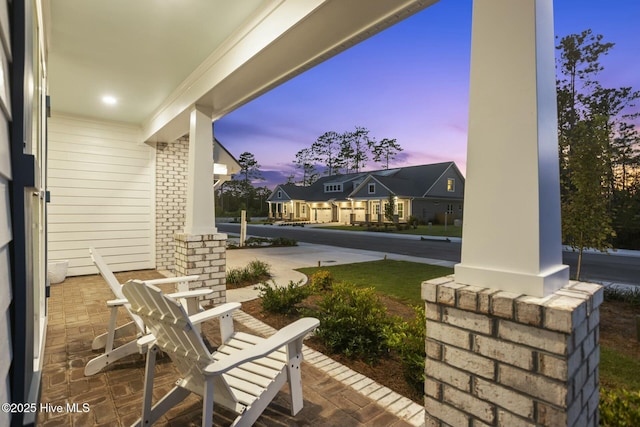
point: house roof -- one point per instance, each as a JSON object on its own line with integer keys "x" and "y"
{"x": 410, "y": 181}
{"x": 160, "y": 58}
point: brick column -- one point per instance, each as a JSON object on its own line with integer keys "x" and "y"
{"x": 497, "y": 358}
{"x": 204, "y": 255}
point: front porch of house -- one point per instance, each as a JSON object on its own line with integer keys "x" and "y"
{"x": 113, "y": 397}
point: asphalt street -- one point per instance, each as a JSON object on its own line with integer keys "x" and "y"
{"x": 595, "y": 267}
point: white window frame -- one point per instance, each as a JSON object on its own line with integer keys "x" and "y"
{"x": 371, "y": 187}
{"x": 400, "y": 210}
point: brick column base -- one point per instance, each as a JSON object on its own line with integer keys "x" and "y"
{"x": 204, "y": 255}
{"x": 496, "y": 358}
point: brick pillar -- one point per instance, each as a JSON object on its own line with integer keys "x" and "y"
{"x": 502, "y": 359}
{"x": 204, "y": 255}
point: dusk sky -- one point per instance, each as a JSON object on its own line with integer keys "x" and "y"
{"x": 410, "y": 82}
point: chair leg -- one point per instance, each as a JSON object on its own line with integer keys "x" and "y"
{"x": 294, "y": 376}
{"x": 96, "y": 364}
{"x": 122, "y": 331}
{"x": 207, "y": 403}
{"x": 177, "y": 394}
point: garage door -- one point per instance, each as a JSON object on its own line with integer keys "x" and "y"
{"x": 323, "y": 214}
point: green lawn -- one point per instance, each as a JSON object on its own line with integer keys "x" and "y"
{"x": 422, "y": 230}
{"x": 400, "y": 279}
{"x": 618, "y": 370}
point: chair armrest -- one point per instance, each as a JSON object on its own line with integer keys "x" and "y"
{"x": 190, "y": 294}
{"x": 166, "y": 280}
{"x": 212, "y": 313}
{"x": 117, "y": 302}
{"x": 145, "y": 342}
{"x": 295, "y": 331}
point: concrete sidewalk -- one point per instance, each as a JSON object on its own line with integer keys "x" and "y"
{"x": 284, "y": 261}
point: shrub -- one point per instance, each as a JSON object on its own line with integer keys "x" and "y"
{"x": 629, "y": 295}
{"x": 322, "y": 280}
{"x": 353, "y": 322}
{"x": 407, "y": 339}
{"x": 234, "y": 276}
{"x": 259, "y": 269}
{"x": 254, "y": 271}
{"x": 283, "y": 300}
{"x": 619, "y": 408}
{"x": 283, "y": 241}
{"x": 253, "y": 242}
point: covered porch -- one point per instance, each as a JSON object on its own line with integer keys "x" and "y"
{"x": 113, "y": 397}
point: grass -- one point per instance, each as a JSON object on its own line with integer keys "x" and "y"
{"x": 422, "y": 230}
{"x": 400, "y": 279}
{"x": 617, "y": 370}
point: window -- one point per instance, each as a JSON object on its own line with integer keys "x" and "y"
{"x": 450, "y": 208}
{"x": 376, "y": 208}
{"x": 451, "y": 185}
{"x": 372, "y": 188}
{"x": 400, "y": 207}
{"x": 332, "y": 188}
{"x": 303, "y": 209}
{"x": 279, "y": 194}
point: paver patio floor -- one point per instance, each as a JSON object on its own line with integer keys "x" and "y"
{"x": 77, "y": 312}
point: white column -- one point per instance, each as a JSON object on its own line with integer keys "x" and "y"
{"x": 200, "y": 212}
{"x": 511, "y": 234}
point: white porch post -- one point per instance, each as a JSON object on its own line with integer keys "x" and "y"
{"x": 200, "y": 212}
{"x": 512, "y": 236}
{"x": 510, "y": 297}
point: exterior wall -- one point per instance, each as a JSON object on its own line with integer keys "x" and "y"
{"x": 439, "y": 188}
{"x": 380, "y": 192}
{"x": 101, "y": 180}
{"x": 5, "y": 231}
{"x": 171, "y": 196}
{"x": 432, "y": 210}
{"x": 497, "y": 358}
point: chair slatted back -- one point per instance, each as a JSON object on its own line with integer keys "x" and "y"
{"x": 114, "y": 284}
{"x": 168, "y": 321}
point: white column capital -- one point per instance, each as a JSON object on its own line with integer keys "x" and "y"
{"x": 203, "y": 109}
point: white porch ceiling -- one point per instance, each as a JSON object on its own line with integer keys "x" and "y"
{"x": 159, "y": 57}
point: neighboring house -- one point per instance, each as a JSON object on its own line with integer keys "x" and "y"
{"x": 429, "y": 193}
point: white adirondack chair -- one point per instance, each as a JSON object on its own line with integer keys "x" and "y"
{"x": 243, "y": 375}
{"x": 136, "y": 326}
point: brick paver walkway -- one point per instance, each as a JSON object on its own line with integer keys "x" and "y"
{"x": 333, "y": 394}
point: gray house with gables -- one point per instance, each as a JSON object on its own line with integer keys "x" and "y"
{"x": 430, "y": 193}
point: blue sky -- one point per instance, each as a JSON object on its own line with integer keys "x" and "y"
{"x": 409, "y": 82}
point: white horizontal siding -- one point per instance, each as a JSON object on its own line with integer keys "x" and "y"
{"x": 6, "y": 297}
{"x": 102, "y": 194}
{"x": 5, "y": 153}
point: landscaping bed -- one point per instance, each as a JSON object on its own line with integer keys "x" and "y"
{"x": 620, "y": 350}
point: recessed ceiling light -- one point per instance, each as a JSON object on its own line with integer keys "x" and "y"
{"x": 109, "y": 100}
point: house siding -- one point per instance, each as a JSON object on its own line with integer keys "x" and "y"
{"x": 101, "y": 180}
{"x": 433, "y": 210}
{"x": 6, "y": 236}
{"x": 5, "y": 281}
{"x": 171, "y": 197}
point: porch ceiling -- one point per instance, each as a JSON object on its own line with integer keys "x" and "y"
{"x": 159, "y": 57}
